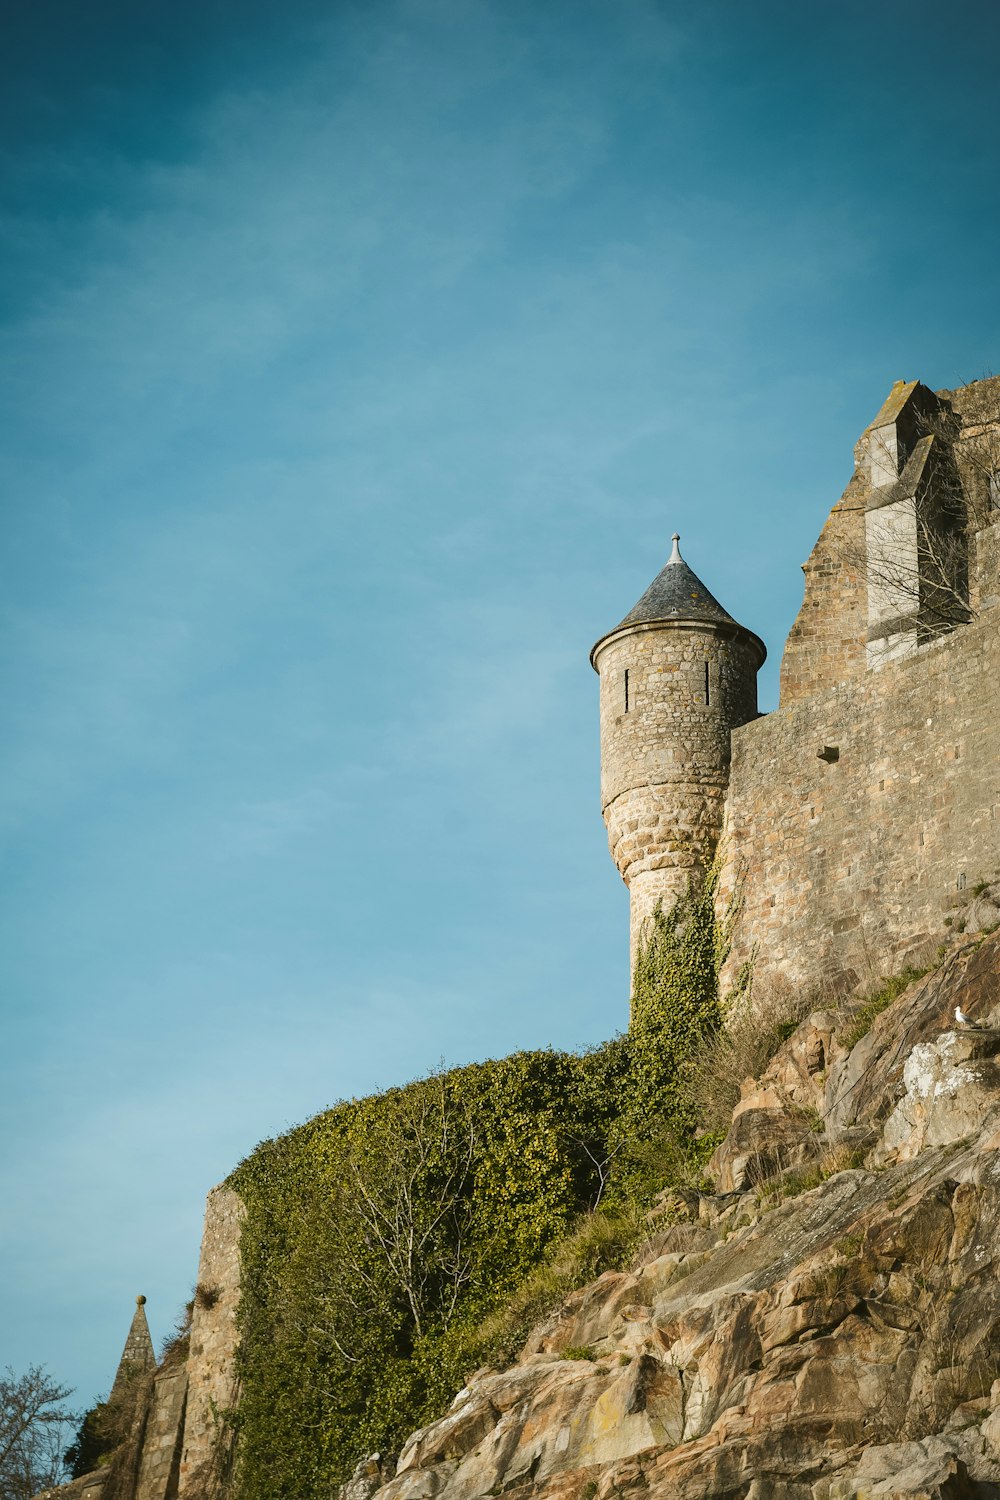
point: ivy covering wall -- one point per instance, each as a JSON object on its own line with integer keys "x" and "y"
{"x": 382, "y": 1235}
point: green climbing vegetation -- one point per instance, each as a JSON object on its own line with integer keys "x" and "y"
{"x": 394, "y": 1243}
{"x": 676, "y": 1007}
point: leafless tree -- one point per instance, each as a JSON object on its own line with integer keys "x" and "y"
{"x": 392, "y": 1228}
{"x": 601, "y": 1160}
{"x": 34, "y": 1426}
{"x": 408, "y": 1190}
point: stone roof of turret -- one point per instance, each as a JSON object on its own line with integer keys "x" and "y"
{"x": 677, "y": 594}
{"x": 138, "y": 1357}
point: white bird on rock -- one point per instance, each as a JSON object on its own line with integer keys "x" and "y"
{"x": 961, "y": 1017}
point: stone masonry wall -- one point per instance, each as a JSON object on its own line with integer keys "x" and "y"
{"x": 867, "y": 854}
{"x": 87, "y": 1487}
{"x": 986, "y": 567}
{"x": 161, "y": 1443}
{"x": 826, "y": 644}
{"x": 211, "y": 1376}
{"x": 665, "y": 759}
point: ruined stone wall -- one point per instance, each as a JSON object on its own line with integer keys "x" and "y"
{"x": 826, "y": 644}
{"x": 854, "y": 861}
{"x": 211, "y": 1375}
{"x": 858, "y": 861}
{"x": 665, "y": 756}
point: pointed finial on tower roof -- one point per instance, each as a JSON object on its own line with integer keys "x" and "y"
{"x": 675, "y": 556}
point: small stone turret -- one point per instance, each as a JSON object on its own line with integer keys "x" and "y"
{"x": 677, "y": 676}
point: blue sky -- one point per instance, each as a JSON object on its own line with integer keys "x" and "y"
{"x": 358, "y": 361}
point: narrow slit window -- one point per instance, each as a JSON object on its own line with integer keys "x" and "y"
{"x": 626, "y": 689}
{"x": 708, "y": 691}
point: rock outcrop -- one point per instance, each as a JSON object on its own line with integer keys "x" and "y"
{"x": 824, "y": 1327}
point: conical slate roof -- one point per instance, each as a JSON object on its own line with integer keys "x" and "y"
{"x": 138, "y": 1357}
{"x": 677, "y": 594}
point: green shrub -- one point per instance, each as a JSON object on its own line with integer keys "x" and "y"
{"x": 377, "y": 1237}
{"x": 93, "y": 1445}
{"x": 394, "y": 1243}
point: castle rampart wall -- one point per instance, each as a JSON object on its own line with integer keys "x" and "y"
{"x": 857, "y": 861}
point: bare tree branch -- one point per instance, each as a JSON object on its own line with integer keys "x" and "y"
{"x": 33, "y": 1432}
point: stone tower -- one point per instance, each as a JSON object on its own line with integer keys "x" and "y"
{"x": 677, "y": 676}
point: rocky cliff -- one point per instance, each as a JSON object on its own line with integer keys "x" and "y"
{"x": 824, "y": 1326}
